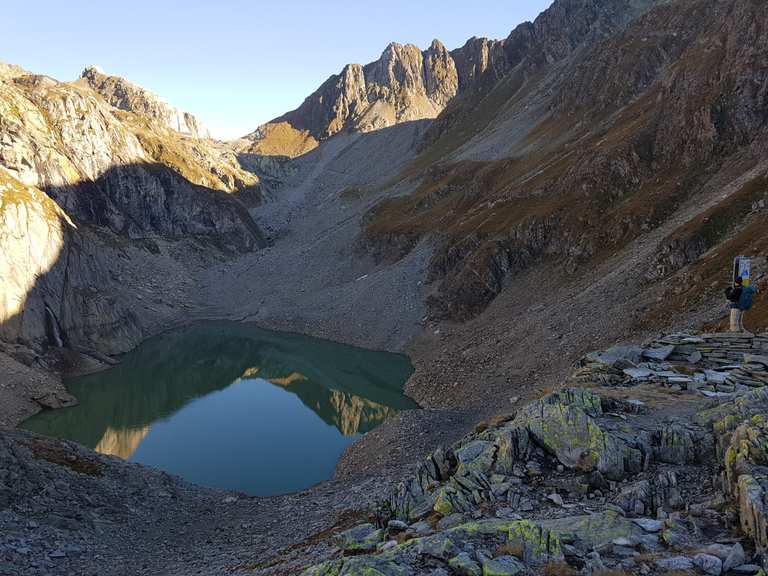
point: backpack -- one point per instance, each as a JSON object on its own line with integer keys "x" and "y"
{"x": 733, "y": 293}
{"x": 745, "y": 299}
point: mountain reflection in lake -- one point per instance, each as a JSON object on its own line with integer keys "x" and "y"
{"x": 232, "y": 406}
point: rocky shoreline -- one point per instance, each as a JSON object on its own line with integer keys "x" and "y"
{"x": 644, "y": 460}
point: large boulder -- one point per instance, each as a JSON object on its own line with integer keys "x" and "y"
{"x": 567, "y": 425}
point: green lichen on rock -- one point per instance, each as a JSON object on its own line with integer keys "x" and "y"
{"x": 565, "y": 424}
{"x": 362, "y": 538}
{"x": 503, "y": 566}
{"x": 463, "y": 565}
{"x": 437, "y": 546}
{"x": 539, "y": 544}
{"x": 594, "y": 530}
{"x": 475, "y": 456}
{"x": 374, "y": 566}
{"x": 443, "y": 504}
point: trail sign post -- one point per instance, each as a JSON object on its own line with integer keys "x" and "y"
{"x": 742, "y": 268}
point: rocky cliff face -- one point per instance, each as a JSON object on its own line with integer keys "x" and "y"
{"x": 118, "y": 170}
{"x": 87, "y": 191}
{"x": 126, "y": 95}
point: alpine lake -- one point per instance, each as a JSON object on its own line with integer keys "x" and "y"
{"x": 232, "y": 406}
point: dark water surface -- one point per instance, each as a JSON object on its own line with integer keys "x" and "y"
{"x": 232, "y": 406}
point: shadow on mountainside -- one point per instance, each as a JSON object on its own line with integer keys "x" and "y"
{"x": 99, "y": 265}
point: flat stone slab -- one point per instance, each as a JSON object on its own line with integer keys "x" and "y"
{"x": 649, "y": 524}
{"x": 661, "y": 353}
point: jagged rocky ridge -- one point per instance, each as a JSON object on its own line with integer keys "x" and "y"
{"x": 408, "y": 84}
{"x": 615, "y": 471}
{"x": 126, "y": 95}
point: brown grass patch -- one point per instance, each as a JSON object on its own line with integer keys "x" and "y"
{"x": 61, "y": 455}
{"x": 514, "y": 548}
{"x": 558, "y": 569}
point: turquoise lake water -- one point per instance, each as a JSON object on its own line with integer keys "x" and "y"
{"x": 232, "y": 406}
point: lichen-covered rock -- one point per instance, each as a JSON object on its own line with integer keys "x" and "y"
{"x": 594, "y": 531}
{"x": 325, "y": 569}
{"x": 512, "y": 445}
{"x": 373, "y": 566}
{"x": 741, "y": 430}
{"x": 476, "y": 456}
{"x": 503, "y": 566}
{"x": 437, "y": 546}
{"x": 463, "y": 565}
{"x": 752, "y": 499}
{"x": 362, "y": 538}
{"x": 565, "y": 424}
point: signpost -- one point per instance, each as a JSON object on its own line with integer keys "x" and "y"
{"x": 742, "y": 268}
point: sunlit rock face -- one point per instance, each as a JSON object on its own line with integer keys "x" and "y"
{"x": 118, "y": 169}
{"x": 404, "y": 84}
{"x": 32, "y": 231}
{"x": 126, "y": 95}
{"x": 46, "y": 261}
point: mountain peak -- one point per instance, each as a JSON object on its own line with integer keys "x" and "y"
{"x": 126, "y": 95}
{"x": 92, "y": 70}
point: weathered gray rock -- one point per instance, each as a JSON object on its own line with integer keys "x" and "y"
{"x": 675, "y": 563}
{"x": 676, "y": 444}
{"x": 746, "y": 569}
{"x": 649, "y": 524}
{"x": 463, "y": 565}
{"x": 708, "y": 564}
{"x": 736, "y": 557}
{"x": 362, "y": 538}
{"x": 503, "y": 566}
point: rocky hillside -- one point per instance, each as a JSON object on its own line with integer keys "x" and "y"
{"x": 660, "y": 126}
{"x": 407, "y": 84}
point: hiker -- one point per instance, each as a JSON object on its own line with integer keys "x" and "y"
{"x": 741, "y": 299}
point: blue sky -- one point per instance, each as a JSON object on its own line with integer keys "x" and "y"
{"x": 235, "y": 63}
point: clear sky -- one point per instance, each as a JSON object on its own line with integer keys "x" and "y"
{"x": 237, "y": 63}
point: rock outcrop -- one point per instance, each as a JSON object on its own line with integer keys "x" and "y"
{"x": 116, "y": 170}
{"x": 407, "y": 84}
{"x": 126, "y": 95}
{"x": 588, "y": 480}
